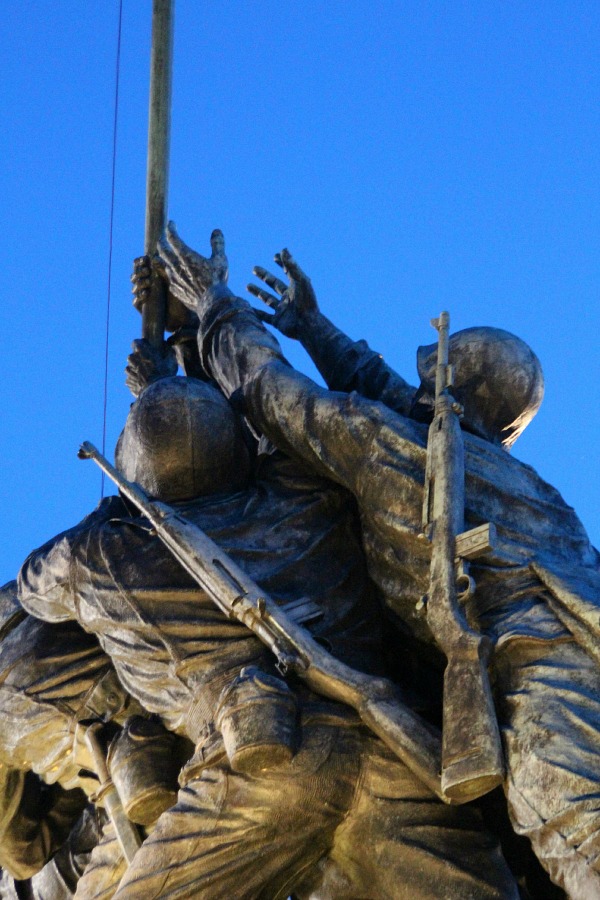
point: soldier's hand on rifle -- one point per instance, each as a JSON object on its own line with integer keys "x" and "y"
{"x": 189, "y": 274}
{"x": 147, "y": 364}
{"x": 296, "y": 302}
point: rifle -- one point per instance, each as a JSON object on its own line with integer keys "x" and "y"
{"x": 472, "y": 762}
{"x": 415, "y": 742}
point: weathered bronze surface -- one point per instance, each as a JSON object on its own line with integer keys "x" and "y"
{"x": 295, "y": 586}
{"x": 472, "y": 762}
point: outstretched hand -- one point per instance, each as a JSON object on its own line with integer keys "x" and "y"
{"x": 189, "y": 274}
{"x": 296, "y": 302}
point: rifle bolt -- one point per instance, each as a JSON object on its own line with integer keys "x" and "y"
{"x": 421, "y": 603}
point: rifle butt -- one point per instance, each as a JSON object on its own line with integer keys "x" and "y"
{"x": 407, "y": 735}
{"x": 472, "y": 759}
{"x": 404, "y": 732}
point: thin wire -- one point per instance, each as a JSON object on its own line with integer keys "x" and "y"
{"x": 110, "y": 237}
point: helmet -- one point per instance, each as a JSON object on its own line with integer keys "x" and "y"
{"x": 498, "y": 381}
{"x": 181, "y": 440}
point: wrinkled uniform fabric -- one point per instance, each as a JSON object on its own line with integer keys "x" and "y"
{"x": 51, "y": 677}
{"x": 47, "y": 673}
{"x": 294, "y": 533}
{"x": 297, "y": 536}
{"x": 104, "y": 870}
{"x": 538, "y": 591}
{"x": 258, "y": 837}
{"x": 59, "y": 878}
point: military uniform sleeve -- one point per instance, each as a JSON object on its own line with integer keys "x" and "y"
{"x": 348, "y": 365}
{"x": 44, "y": 582}
{"x": 234, "y": 345}
{"x": 330, "y": 431}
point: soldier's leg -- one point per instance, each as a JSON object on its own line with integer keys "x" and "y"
{"x": 549, "y": 713}
{"x": 398, "y": 841}
{"x": 232, "y": 835}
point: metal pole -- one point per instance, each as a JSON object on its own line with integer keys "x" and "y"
{"x": 157, "y": 177}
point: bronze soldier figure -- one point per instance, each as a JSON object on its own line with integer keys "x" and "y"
{"x": 537, "y": 590}
{"x": 239, "y": 833}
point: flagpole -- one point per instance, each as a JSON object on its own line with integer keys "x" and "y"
{"x": 157, "y": 174}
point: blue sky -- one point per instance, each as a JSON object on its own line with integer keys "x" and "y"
{"x": 414, "y": 156}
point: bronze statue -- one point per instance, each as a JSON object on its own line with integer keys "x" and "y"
{"x": 263, "y": 833}
{"x": 537, "y": 589}
{"x": 53, "y": 680}
{"x": 314, "y": 804}
{"x": 283, "y": 789}
{"x": 57, "y": 685}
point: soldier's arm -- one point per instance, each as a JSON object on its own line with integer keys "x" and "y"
{"x": 333, "y": 432}
{"x": 344, "y": 364}
{"x": 44, "y": 582}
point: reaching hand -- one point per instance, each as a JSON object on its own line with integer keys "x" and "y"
{"x": 189, "y": 274}
{"x": 296, "y": 303}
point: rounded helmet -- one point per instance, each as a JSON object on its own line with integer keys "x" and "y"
{"x": 181, "y": 440}
{"x": 498, "y": 381}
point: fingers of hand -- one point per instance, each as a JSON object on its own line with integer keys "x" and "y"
{"x": 141, "y": 266}
{"x": 186, "y": 258}
{"x": 263, "y": 295}
{"x": 141, "y": 292}
{"x": 168, "y": 267}
{"x": 276, "y": 283}
{"x": 217, "y": 242}
{"x": 184, "y": 294}
{"x": 161, "y": 265}
{"x": 269, "y": 318}
{"x": 172, "y": 250}
{"x": 290, "y": 266}
{"x": 140, "y": 278}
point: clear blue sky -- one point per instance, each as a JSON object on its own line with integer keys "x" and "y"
{"x": 413, "y": 155}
